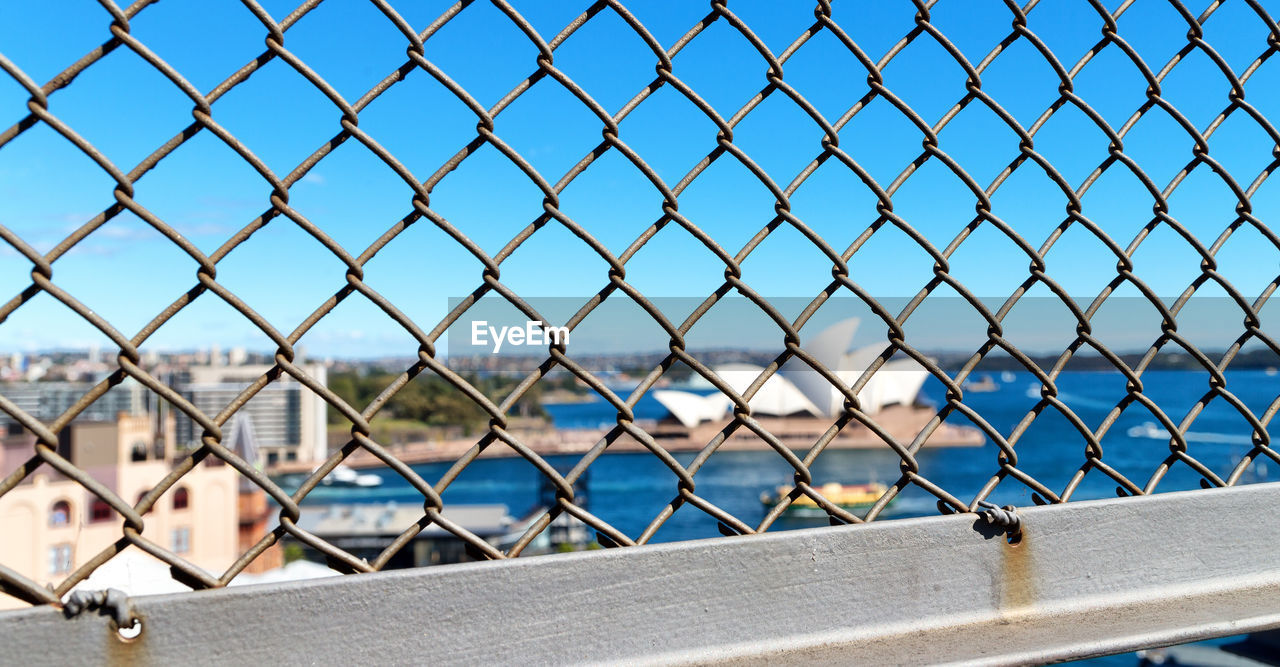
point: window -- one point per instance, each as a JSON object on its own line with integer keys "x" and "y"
{"x": 180, "y": 540}
{"x": 60, "y": 513}
{"x": 60, "y": 559}
{"x": 139, "y": 452}
{"x": 181, "y": 498}
{"x": 13, "y": 428}
{"x": 100, "y": 511}
{"x": 157, "y": 449}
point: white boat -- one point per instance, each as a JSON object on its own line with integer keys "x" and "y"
{"x": 1148, "y": 430}
{"x": 345, "y": 476}
{"x": 1156, "y": 432}
{"x": 982, "y": 385}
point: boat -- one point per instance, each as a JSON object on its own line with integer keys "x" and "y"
{"x": 1148, "y": 430}
{"x": 1156, "y": 432}
{"x": 845, "y": 496}
{"x": 345, "y": 476}
{"x": 981, "y": 386}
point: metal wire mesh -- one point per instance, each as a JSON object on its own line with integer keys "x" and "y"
{"x": 42, "y": 107}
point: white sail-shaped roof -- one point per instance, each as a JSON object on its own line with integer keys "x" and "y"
{"x": 898, "y": 381}
{"x": 778, "y": 396}
{"x": 692, "y": 409}
{"x": 828, "y": 348}
{"x": 798, "y": 389}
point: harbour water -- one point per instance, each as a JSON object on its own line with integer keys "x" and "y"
{"x": 629, "y": 489}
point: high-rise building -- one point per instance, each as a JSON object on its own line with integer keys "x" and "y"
{"x": 288, "y": 419}
{"x": 47, "y": 400}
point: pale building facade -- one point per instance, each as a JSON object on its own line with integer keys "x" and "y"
{"x": 51, "y": 525}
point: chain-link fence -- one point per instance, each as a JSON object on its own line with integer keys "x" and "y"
{"x": 1250, "y": 26}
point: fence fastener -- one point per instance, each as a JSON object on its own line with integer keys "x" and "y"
{"x": 1004, "y": 517}
{"x": 110, "y": 602}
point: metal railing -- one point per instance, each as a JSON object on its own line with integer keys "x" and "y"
{"x": 1022, "y": 155}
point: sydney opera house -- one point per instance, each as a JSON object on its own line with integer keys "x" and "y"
{"x": 798, "y": 404}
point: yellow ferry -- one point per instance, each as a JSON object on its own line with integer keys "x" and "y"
{"x": 846, "y": 496}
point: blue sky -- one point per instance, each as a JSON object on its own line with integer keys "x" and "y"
{"x": 128, "y": 272}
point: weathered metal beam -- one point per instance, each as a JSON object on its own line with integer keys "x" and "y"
{"x": 1088, "y": 578}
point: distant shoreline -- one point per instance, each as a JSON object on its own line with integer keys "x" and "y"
{"x": 796, "y": 433}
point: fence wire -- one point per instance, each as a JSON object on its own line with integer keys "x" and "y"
{"x": 43, "y": 110}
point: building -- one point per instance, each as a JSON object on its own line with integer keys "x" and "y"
{"x": 364, "y": 530}
{"x": 54, "y": 525}
{"x": 798, "y": 389}
{"x": 257, "y": 516}
{"x": 288, "y": 419}
{"x": 46, "y": 400}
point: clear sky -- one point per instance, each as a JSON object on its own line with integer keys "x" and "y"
{"x": 128, "y": 272}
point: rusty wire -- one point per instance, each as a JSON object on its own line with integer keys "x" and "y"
{"x": 719, "y": 147}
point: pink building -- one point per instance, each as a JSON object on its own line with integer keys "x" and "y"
{"x": 53, "y": 525}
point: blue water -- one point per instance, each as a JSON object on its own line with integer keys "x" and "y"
{"x": 629, "y": 489}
